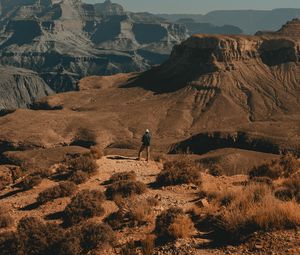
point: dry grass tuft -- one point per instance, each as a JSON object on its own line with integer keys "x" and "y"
{"x": 256, "y": 210}
{"x": 289, "y": 190}
{"x": 173, "y": 224}
{"x": 131, "y": 213}
{"x": 5, "y": 219}
{"x": 286, "y": 166}
{"x": 179, "y": 172}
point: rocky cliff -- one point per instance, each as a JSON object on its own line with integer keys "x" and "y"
{"x": 20, "y": 87}
{"x": 66, "y": 40}
{"x": 213, "y": 92}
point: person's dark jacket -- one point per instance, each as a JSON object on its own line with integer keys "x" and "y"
{"x": 146, "y": 139}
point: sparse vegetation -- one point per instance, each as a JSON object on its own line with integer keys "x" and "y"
{"x": 86, "y": 204}
{"x": 179, "y": 172}
{"x": 84, "y": 163}
{"x": 123, "y": 176}
{"x": 5, "y": 180}
{"x": 286, "y": 166}
{"x": 78, "y": 177}
{"x": 173, "y": 224}
{"x": 96, "y": 152}
{"x": 96, "y": 235}
{"x": 131, "y": 213}
{"x": 125, "y": 188}
{"x": 5, "y": 219}
{"x": 63, "y": 189}
{"x": 289, "y": 190}
{"x": 30, "y": 182}
{"x": 35, "y": 237}
{"x": 216, "y": 170}
{"x": 256, "y": 210}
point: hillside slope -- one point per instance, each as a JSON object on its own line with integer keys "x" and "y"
{"x": 214, "y": 92}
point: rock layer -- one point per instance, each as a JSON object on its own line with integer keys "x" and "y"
{"x": 20, "y": 87}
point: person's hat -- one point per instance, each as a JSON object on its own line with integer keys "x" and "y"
{"x": 147, "y": 131}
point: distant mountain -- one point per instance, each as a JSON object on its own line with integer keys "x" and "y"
{"x": 250, "y": 21}
{"x": 207, "y": 28}
{"x": 65, "y": 40}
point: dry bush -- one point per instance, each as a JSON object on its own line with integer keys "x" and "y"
{"x": 96, "y": 235}
{"x": 131, "y": 213}
{"x": 86, "y": 204}
{"x": 286, "y": 166}
{"x": 263, "y": 180}
{"x": 5, "y": 219}
{"x": 8, "y": 243}
{"x": 5, "y": 180}
{"x": 179, "y": 172}
{"x": 290, "y": 189}
{"x": 123, "y": 176}
{"x": 63, "y": 189}
{"x": 85, "y": 137}
{"x": 271, "y": 170}
{"x": 84, "y": 163}
{"x": 35, "y": 237}
{"x": 16, "y": 173}
{"x": 148, "y": 244}
{"x": 125, "y": 188}
{"x": 172, "y": 224}
{"x": 255, "y": 210}
{"x": 30, "y": 182}
{"x": 216, "y": 170}
{"x": 96, "y": 152}
{"x": 129, "y": 248}
{"x": 78, "y": 177}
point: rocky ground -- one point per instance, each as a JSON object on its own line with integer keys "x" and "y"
{"x": 184, "y": 196}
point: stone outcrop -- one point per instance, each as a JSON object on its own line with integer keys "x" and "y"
{"x": 20, "y": 87}
{"x": 66, "y": 40}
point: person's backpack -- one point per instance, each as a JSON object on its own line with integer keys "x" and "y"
{"x": 146, "y": 139}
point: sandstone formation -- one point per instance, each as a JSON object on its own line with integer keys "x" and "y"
{"x": 64, "y": 41}
{"x": 19, "y": 87}
{"x": 213, "y": 92}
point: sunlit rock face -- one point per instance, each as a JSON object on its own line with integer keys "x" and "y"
{"x": 66, "y": 40}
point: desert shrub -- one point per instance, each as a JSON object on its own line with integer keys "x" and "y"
{"x": 8, "y": 243}
{"x": 124, "y": 176}
{"x": 286, "y": 166}
{"x": 215, "y": 170}
{"x": 256, "y": 209}
{"x": 36, "y": 237}
{"x": 289, "y": 164}
{"x": 5, "y": 180}
{"x": 263, "y": 180}
{"x": 78, "y": 177}
{"x": 125, "y": 189}
{"x": 16, "y": 173}
{"x": 5, "y": 219}
{"x": 272, "y": 170}
{"x": 152, "y": 201}
{"x": 63, "y": 189}
{"x": 290, "y": 189}
{"x": 172, "y": 224}
{"x": 131, "y": 213}
{"x": 96, "y": 235}
{"x": 179, "y": 172}
{"x": 85, "y": 137}
{"x": 148, "y": 244}
{"x": 129, "y": 248}
{"x": 86, "y": 204}
{"x": 43, "y": 173}
{"x": 96, "y": 152}
{"x": 84, "y": 163}
{"x": 30, "y": 182}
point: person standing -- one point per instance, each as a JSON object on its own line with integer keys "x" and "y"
{"x": 146, "y": 142}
